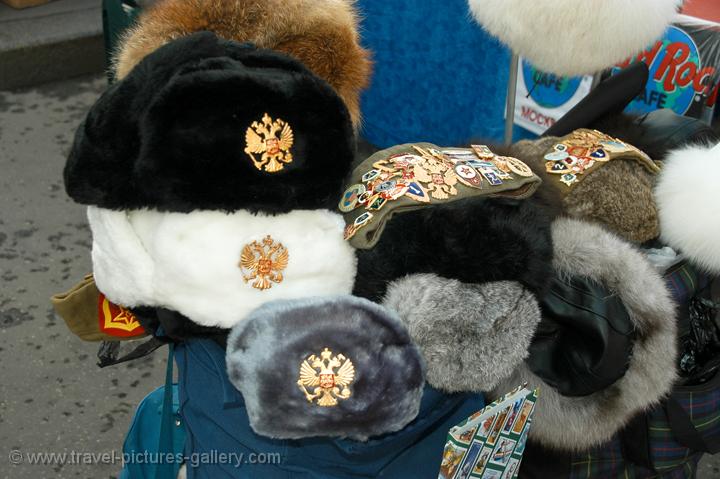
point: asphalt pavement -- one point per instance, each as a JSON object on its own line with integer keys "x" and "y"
{"x": 53, "y": 397}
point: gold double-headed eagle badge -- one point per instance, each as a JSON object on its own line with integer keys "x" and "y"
{"x": 326, "y": 385}
{"x": 272, "y": 140}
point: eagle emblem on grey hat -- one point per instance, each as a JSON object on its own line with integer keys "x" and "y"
{"x": 318, "y": 373}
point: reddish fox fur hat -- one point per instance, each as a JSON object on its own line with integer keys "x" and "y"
{"x": 322, "y": 34}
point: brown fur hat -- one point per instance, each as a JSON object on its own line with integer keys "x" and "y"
{"x": 322, "y": 34}
{"x": 619, "y": 195}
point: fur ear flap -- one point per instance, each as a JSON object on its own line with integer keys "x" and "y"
{"x": 688, "y": 199}
{"x": 322, "y": 34}
{"x": 574, "y": 37}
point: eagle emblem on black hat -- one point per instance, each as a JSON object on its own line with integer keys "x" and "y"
{"x": 272, "y": 140}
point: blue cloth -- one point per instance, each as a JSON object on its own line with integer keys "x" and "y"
{"x": 438, "y": 76}
{"x": 142, "y": 449}
{"x": 216, "y": 422}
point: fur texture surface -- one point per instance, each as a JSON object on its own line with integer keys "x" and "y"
{"x": 470, "y": 336}
{"x": 473, "y": 241}
{"x": 322, "y": 34}
{"x": 189, "y": 263}
{"x": 578, "y": 423}
{"x": 575, "y": 37}
{"x": 619, "y": 195}
{"x": 688, "y": 197}
{"x": 172, "y": 134}
{"x": 388, "y": 382}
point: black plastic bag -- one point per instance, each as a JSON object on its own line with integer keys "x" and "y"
{"x": 700, "y": 348}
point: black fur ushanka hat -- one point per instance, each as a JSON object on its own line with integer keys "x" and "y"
{"x": 208, "y": 124}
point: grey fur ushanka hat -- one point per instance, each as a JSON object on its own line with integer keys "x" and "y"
{"x": 470, "y": 335}
{"x": 332, "y": 367}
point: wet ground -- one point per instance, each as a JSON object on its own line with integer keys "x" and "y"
{"x": 53, "y": 399}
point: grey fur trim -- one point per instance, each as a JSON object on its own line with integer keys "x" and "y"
{"x": 579, "y": 423}
{"x": 471, "y": 336}
{"x": 264, "y": 354}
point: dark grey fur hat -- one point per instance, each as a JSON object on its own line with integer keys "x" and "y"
{"x": 333, "y": 367}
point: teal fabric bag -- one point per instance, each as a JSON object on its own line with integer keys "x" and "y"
{"x": 154, "y": 446}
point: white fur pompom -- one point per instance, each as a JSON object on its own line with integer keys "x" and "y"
{"x": 688, "y": 199}
{"x": 575, "y": 37}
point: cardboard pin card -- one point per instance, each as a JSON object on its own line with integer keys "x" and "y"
{"x": 490, "y": 443}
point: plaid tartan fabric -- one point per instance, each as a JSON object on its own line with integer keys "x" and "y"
{"x": 702, "y": 404}
{"x": 607, "y": 462}
{"x": 671, "y": 459}
{"x": 604, "y": 461}
{"x": 667, "y": 453}
{"x": 684, "y": 281}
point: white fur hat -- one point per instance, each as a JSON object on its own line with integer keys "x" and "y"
{"x": 193, "y": 263}
{"x": 575, "y": 37}
{"x": 688, "y": 199}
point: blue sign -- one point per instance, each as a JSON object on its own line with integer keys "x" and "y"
{"x": 548, "y": 90}
{"x": 676, "y": 74}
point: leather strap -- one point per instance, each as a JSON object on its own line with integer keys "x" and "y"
{"x": 684, "y": 430}
{"x": 635, "y": 442}
{"x": 109, "y": 350}
{"x": 610, "y": 97}
{"x": 167, "y": 469}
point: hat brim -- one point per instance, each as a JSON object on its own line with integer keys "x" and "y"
{"x": 192, "y": 263}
